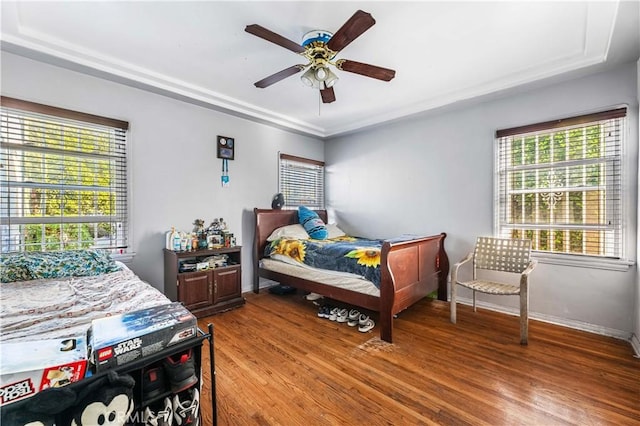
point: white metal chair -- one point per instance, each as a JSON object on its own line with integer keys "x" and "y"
{"x": 498, "y": 254}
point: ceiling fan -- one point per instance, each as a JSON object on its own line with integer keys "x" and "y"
{"x": 320, "y": 48}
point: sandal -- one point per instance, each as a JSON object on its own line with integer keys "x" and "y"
{"x": 313, "y": 296}
{"x": 367, "y": 326}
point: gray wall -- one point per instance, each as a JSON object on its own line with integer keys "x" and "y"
{"x": 175, "y": 175}
{"x": 434, "y": 173}
{"x": 636, "y": 338}
{"x": 424, "y": 175}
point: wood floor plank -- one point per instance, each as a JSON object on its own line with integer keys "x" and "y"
{"x": 278, "y": 363}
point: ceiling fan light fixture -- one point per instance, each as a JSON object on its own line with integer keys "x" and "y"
{"x": 331, "y": 79}
{"x": 309, "y": 79}
{"x": 321, "y": 73}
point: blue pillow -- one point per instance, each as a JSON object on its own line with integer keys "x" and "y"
{"x": 312, "y": 223}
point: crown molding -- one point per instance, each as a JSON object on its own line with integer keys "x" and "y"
{"x": 25, "y": 41}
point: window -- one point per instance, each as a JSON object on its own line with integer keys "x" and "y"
{"x": 63, "y": 179}
{"x": 301, "y": 181}
{"x": 559, "y": 184}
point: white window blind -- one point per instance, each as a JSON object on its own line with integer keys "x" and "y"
{"x": 301, "y": 181}
{"x": 63, "y": 179}
{"x": 559, "y": 184}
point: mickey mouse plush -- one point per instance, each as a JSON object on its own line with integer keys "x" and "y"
{"x": 105, "y": 402}
{"x": 27, "y": 418}
{"x": 39, "y": 410}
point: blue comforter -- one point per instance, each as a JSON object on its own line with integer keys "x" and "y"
{"x": 344, "y": 254}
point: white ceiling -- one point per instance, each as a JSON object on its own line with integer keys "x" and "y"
{"x": 443, "y": 52}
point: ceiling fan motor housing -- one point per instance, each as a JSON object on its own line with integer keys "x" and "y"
{"x": 321, "y": 36}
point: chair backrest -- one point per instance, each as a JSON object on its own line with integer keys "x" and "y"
{"x": 502, "y": 254}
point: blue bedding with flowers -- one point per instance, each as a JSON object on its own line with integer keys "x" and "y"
{"x": 344, "y": 254}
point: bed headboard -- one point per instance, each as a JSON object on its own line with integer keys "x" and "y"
{"x": 267, "y": 221}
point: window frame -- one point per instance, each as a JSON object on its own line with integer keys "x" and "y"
{"x": 116, "y": 158}
{"x": 501, "y": 189}
{"x": 317, "y": 201}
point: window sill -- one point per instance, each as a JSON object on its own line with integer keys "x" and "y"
{"x": 584, "y": 261}
{"x": 123, "y": 257}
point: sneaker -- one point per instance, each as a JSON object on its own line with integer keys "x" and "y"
{"x": 333, "y": 315}
{"x": 362, "y": 319}
{"x": 180, "y": 371}
{"x": 323, "y": 312}
{"x": 162, "y": 417}
{"x": 352, "y": 321}
{"x": 186, "y": 411}
{"x": 153, "y": 382}
{"x": 342, "y": 316}
{"x": 367, "y": 326}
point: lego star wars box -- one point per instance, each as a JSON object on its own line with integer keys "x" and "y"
{"x": 27, "y": 368}
{"x": 123, "y": 338}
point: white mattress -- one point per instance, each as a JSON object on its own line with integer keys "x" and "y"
{"x": 56, "y": 308}
{"x": 337, "y": 279}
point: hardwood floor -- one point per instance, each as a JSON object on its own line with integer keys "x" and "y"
{"x": 277, "y": 363}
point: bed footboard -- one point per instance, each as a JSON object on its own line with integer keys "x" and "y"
{"x": 410, "y": 271}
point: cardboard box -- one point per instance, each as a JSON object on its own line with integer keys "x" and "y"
{"x": 119, "y": 339}
{"x": 27, "y": 368}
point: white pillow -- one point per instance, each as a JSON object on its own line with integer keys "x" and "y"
{"x": 295, "y": 232}
{"x": 334, "y": 231}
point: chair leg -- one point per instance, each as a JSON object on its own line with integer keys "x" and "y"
{"x": 474, "y": 301}
{"x": 452, "y": 304}
{"x": 524, "y": 315}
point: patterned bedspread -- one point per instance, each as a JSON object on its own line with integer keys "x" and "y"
{"x": 54, "y": 308}
{"x": 344, "y": 254}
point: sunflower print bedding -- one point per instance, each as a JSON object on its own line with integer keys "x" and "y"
{"x": 355, "y": 255}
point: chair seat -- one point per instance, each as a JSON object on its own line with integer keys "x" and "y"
{"x": 491, "y": 287}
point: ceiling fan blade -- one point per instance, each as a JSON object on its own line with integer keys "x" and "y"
{"x": 281, "y": 75}
{"x": 328, "y": 95}
{"x": 269, "y": 35}
{"x": 366, "y": 69}
{"x": 352, "y": 29}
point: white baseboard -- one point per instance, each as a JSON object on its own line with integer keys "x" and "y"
{"x": 265, "y": 283}
{"x": 578, "y": 325}
{"x": 262, "y": 284}
{"x": 635, "y": 344}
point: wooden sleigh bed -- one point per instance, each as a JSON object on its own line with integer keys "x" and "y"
{"x": 410, "y": 270}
